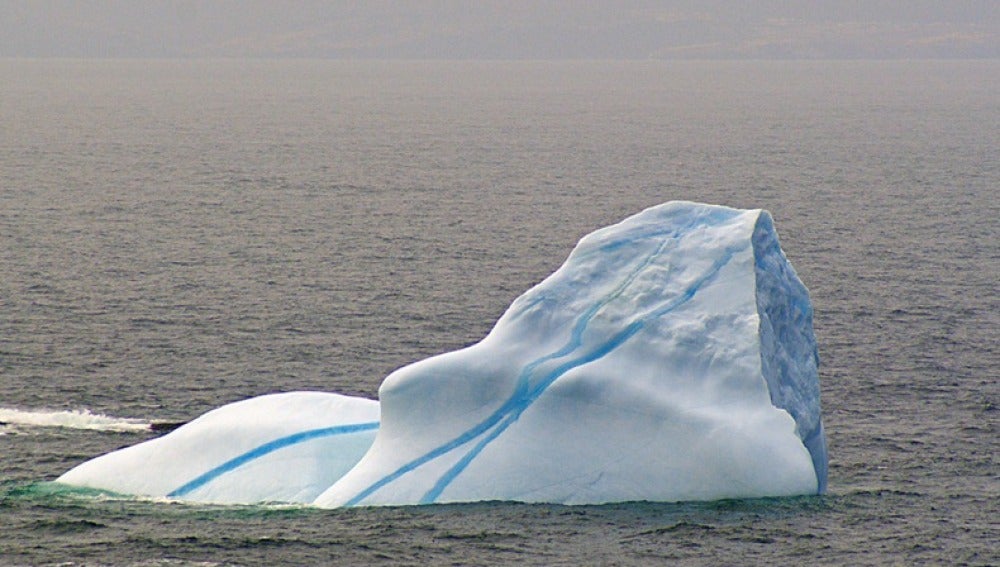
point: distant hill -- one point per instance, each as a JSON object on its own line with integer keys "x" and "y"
{"x": 447, "y": 29}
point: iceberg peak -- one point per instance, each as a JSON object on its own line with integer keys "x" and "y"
{"x": 670, "y": 358}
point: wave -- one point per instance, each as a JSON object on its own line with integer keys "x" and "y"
{"x": 73, "y": 419}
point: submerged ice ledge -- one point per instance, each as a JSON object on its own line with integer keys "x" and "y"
{"x": 670, "y": 358}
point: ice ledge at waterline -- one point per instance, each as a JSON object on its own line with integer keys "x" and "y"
{"x": 670, "y": 358}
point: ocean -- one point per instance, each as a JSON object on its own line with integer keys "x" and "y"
{"x": 176, "y": 235}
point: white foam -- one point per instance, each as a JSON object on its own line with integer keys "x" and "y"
{"x": 71, "y": 419}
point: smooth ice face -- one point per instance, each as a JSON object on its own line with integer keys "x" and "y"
{"x": 670, "y": 358}
{"x": 276, "y": 448}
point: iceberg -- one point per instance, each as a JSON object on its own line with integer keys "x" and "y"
{"x": 671, "y": 357}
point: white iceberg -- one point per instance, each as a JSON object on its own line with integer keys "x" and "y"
{"x": 670, "y": 358}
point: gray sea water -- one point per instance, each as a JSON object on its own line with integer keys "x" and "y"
{"x": 177, "y": 235}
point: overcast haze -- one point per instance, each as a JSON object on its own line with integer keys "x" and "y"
{"x": 502, "y": 30}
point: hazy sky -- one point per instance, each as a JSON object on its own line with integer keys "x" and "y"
{"x": 449, "y": 29}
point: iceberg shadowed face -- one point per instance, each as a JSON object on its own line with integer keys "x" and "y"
{"x": 671, "y": 358}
